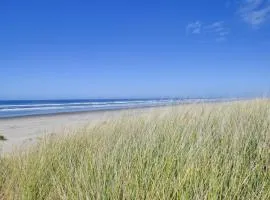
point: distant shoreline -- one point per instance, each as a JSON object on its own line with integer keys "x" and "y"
{"x": 22, "y": 131}
{"x": 65, "y": 113}
{"x": 82, "y": 112}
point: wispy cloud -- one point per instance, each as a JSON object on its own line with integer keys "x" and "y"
{"x": 255, "y": 12}
{"x": 217, "y": 27}
{"x": 216, "y": 30}
{"x": 194, "y": 28}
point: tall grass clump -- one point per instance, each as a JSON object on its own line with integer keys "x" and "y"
{"x": 203, "y": 151}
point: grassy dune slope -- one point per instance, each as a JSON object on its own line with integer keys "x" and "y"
{"x": 214, "y": 151}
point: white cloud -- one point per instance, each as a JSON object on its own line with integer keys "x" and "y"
{"x": 194, "y": 28}
{"x": 217, "y": 30}
{"x": 216, "y": 24}
{"x": 255, "y": 12}
{"x": 216, "y": 27}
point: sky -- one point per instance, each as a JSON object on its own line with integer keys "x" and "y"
{"x": 134, "y": 49}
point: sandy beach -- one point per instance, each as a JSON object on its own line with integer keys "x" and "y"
{"x": 23, "y": 131}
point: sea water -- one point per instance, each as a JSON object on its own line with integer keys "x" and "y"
{"x": 19, "y": 108}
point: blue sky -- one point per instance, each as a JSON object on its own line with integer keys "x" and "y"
{"x": 143, "y": 48}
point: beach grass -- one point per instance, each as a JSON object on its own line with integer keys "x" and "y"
{"x": 200, "y": 151}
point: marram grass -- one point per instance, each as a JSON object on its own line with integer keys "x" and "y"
{"x": 211, "y": 151}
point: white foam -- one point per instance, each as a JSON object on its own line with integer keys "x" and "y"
{"x": 81, "y": 105}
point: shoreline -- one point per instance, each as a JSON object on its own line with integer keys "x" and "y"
{"x": 86, "y": 112}
{"x": 22, "y": 132}
{"x": 115, "y": 109}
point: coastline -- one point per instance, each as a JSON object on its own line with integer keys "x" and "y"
{"x": 88, "y": 111}
{"x": 134, "y": 107}
{"x": 23, "y": 131}
{"x": 13, "y": 109}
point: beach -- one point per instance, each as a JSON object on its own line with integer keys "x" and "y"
{"x": 21, "y": 132}
{"x": 22, "y": 123}
{"x": 194, "y": 151}
{"x": 24, "y": 131}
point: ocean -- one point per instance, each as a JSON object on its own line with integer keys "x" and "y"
{"x": 20, "y": 108}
